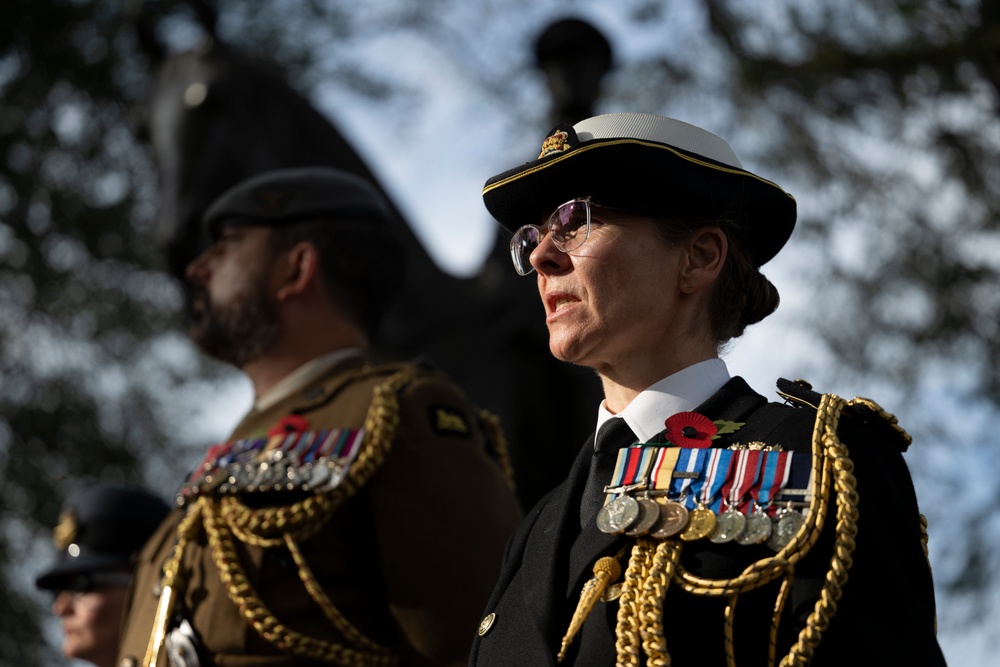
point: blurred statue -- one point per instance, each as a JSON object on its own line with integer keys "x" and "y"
{"x": 574, "y": 56}
{"x": 215, "y": 117}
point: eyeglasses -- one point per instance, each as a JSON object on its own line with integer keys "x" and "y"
{"x": 569, "y": 226}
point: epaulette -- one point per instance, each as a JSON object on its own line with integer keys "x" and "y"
{"x": 870, "y": 414}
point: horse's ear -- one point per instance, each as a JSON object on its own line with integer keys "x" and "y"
{"x": 145, "y": 16}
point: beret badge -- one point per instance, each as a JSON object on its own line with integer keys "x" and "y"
{"x": 64, "y": 533}
{"x": 557, "y": 142}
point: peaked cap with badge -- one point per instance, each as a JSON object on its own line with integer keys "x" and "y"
{"x": 646, "y": 163}
{"x": 100, "y": 529}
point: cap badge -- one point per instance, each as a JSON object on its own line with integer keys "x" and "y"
{"x": 64, "y": 533}
{"x": 446, "y": 420}
{"x": 557, "y": 142}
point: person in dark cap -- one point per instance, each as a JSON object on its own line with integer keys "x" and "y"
{"x": 99, "y": 534}
{"x": 358, "y": 513}
{"x": 701, "y": 524}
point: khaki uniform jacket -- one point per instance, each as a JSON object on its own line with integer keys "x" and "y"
{"x": 408, "y": 559}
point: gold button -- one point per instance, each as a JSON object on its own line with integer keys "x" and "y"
{"x": 486, "y": 624}
{"x": 129, "y": 662}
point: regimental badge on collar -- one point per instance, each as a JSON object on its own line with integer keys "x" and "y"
{"x": 448, "y": 421}
{"x": 557, "y": 142}
{"x": 64, "y": 533}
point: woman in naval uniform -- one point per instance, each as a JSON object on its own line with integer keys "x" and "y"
{"x": 703, "y": 525}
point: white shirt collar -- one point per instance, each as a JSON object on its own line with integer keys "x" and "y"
{"x": 302, "y": 376}
{"x": 683, "y": 391}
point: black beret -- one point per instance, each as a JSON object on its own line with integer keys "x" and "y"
{"x": 101, "y": 529}
{"x": 286, "y": 196}
{"x": 647, "y": 163}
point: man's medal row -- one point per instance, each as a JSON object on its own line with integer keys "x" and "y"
{"x": 315, "y": 461}
{"x": 747, "y": 496}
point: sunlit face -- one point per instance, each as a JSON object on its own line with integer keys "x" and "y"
{"x": 91, "y": 623}
{"x": 234, "y": 315}
{"x": 612, "y": 300}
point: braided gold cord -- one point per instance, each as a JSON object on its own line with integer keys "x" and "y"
{"x": 186, "y": 530}
{"x": 728, "y": 615}
{"x": 779, "y": 608}
{"x": 802, "y": 651}
{"x": 269, "y": 527}
{"x": 887, "y": 416}
{"x": 253, "y": 610}
{"x": 627, "y": 626}
{"x": 338, "y": 620}
{"x": 924, "y": 539}
{"x": 654, "y": 589}
{"x": 266, "y": 527}
{"x": 494, "y": 431}
{"x": 651, "y": 571}
{"x": 170, "y": 582}
{"x": 766, "y": 570}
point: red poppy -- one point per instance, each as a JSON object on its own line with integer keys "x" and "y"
{"x": 289, "y": 424}
{"x": 690, "y": 429}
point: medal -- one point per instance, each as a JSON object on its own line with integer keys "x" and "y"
{"x": 673, "y": 519}
{"x": 797, "y": 487}
{"x": 744, "y": 470}
{"x": 758, "y": 528}
{"x": 617, "y": 515}
{"x": 621, "y": 511}
{"x": 728, "y": 525}
{"x": 673, "y": 515}
{"x": 701, "y": 523}
{"x": 649, "y": 514}
{"x": 773, "y": 473}
{"x": 786, "y": 524}
{"x": 714, "y": 470}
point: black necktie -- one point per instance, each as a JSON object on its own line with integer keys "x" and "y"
{"x": 612, "y": 436}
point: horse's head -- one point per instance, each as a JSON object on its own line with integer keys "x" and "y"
{"x": 214, "y": 118}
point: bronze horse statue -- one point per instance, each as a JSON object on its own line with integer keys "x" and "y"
{"x": 214, "y": 117}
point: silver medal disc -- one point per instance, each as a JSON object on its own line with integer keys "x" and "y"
{"x": 728, "y": 527}
{"x": 649, "y": 515}
{"x": 758, "y": 529}
{"x": 785, "y": 525}
{"x": 618, "y": 515}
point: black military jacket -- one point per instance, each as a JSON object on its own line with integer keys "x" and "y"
{"x": 886, "y": 614}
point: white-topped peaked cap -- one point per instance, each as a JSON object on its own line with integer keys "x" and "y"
{"x": 646, "y": 163}
{"x": 662, "y": 130}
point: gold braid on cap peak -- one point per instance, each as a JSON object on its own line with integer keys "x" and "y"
{"x": 227, "y": 520}
{"x": 654, "y": 565}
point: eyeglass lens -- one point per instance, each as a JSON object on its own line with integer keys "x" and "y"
{"x": 569, "y": 226}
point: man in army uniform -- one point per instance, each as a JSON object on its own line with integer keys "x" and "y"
{"x": 358, "y": 513}
{"x": 100, "y": 531}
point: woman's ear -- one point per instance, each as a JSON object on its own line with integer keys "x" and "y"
{"x": 299, "y": 271}
{"x": 705, "y": 254}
